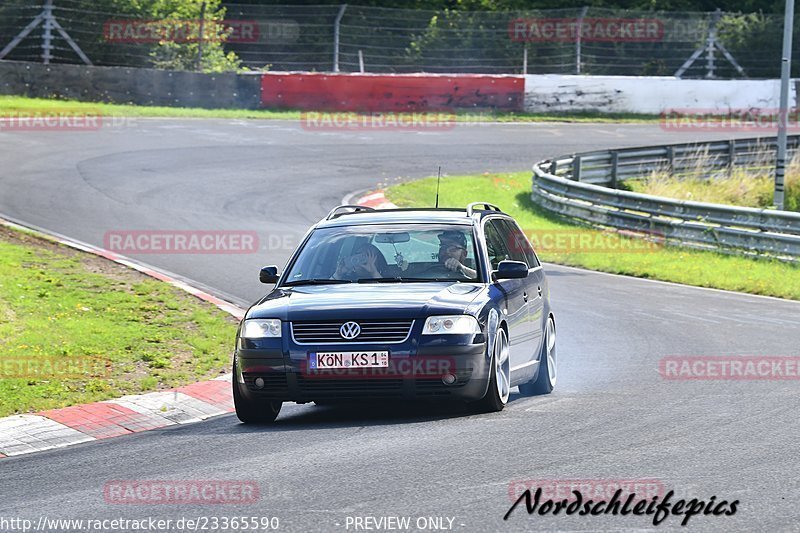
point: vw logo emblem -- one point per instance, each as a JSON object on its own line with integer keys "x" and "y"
{"x": 350, "y": 330}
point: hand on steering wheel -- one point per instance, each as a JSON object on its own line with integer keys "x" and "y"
{"x": 450, "y": 273}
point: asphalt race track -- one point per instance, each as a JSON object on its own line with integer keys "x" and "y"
{"x": 612, "y": 416}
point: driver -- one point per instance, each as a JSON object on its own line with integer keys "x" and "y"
{"x": 453, "y": 253}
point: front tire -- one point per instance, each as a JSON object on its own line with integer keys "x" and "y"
{"x": 545, "y": 381}
{"x": 500, "y": 376}
{"x": 254, "y": 412}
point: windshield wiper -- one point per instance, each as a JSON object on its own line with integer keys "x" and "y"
{"x": 315, "y": 282}
{"x": 401, "y": 280}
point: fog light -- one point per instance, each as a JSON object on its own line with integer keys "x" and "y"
{"x": 448, "y": 379}
{"x": 259, "y": 383}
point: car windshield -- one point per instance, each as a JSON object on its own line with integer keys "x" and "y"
{"x": 386, "y": 253}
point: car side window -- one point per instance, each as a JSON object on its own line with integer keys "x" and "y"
{"x": 496, "y": 242}
{"x": 519, "y": 245}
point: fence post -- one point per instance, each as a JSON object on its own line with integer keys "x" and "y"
{"x": 525, "y": 60}
{"x": 614, "y": 168}
{"x": 47, "y": 34}
{"x": 578, "y": 33}
{"x": 199, "y": 66}
{"x": 786, "y": 72}
{"x": 336, "y": 25}
{"x": 711, "y": 44}
{"x": 576, "y": 168}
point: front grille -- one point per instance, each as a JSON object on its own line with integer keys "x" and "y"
{"x": 321, "y": 386}
{"x": 372, "y": 331}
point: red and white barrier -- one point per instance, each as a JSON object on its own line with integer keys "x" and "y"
{"x": 391, "y": 92}
{"x": 646, "y": 94}
{"x": 531, "y": 93}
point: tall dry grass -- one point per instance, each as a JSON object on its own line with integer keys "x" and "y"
{"x": 750, "y": 186}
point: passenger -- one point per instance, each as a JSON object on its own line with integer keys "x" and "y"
{"x": 366, "y": 261}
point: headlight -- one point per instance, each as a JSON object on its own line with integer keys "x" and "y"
{"x": 457, "y": 324}
{"x": 261, "y": 328}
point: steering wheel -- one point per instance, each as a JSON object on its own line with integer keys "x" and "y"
{"x": 438, "y": 268}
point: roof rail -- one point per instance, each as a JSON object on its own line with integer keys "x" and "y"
{"x": 355, "y": 209}
{"x": 488, "y": 207}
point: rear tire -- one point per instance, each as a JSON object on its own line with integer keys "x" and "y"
{"x": 254, "y": 412}
{"x": 499, "y": 377}
{"x": 545, "y": 380}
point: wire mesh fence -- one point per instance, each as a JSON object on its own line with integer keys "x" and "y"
{"x": 350, "y": 38}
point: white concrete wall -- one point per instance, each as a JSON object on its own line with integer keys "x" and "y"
{"x": 650, "y": 94}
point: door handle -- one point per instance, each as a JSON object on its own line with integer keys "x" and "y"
{"x": 540, "y": 291}
{"x": 524, "y": 296}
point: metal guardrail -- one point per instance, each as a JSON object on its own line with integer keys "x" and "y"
{"x": 583, "y": 186}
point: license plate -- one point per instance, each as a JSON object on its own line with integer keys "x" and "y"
{"x": 323, "y": 360}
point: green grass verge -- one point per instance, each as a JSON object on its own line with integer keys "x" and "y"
{"x": 75, "y": 328}
{"x": 17, "y": 104}
{"x": 603, "y": 251}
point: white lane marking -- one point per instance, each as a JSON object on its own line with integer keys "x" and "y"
{"x": 674, "y": 284}
{"x": 549, "y": 404}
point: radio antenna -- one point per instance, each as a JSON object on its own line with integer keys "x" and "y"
{"x": 438, "y": 179}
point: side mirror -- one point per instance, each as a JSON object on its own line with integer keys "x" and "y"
{"x": 269, "y": 274}
{"x": 511, "y": 270}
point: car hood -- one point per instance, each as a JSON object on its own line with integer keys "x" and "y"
{"x": 367, "y": 300}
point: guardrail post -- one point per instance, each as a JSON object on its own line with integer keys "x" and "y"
{"x": 670, "y": 159}
{"x": 614, "y": 168}
{"x": 553, "y": 167}
{"x": 576, "y": 168}
{"x": 731, "y": 156}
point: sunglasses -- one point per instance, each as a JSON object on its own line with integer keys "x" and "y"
{"x": 451, "y": 247}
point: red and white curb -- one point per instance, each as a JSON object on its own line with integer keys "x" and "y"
{"x": 57, "y": 428}
{"x": 376, "y": 200}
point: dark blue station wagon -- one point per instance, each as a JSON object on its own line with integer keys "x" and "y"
{"x": 444, "y": 304}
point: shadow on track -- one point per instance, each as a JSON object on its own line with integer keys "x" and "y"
{"x": 374, "y": 413}
{"x": 344, "y": 415}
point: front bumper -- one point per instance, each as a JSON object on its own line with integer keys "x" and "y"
{"x": 416, "y": 369}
